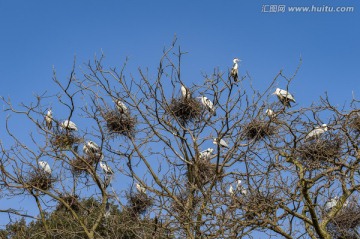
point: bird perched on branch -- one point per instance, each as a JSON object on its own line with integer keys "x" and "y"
{"x": 48, "y": 119}
{"x": 206, "y": 154}
{"x": 91, "y": 147}
{"x": 140, "y": 188}
{"x": 221, "y": 142}
{"x": 208, "y": 104}
{"x": 234, "y": 70}
{"x": 315, "y": 133}
{"x": 68, "y": 125}
{"x": 284, "y": 97}
{"x": 45, "y": 167}
{"x": 185, "y": 92}
{"x": 121, "y": 106}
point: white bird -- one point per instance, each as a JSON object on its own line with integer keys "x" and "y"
{"x": 240, "y": 188}
{"x": 91, "y": 147}
{"x": 222, "y": 143}
{"x": 68, "y": 125}
{"x": 284, "y": 97}
{"x": 106, "y": 168}
{"x": 121, "y": 107}
{"x": 185, "y": 92}
{"x": 45, "y": 167}
{"x": 315, "y": 133}
{"x": 206, "y": 154}
{"x": 107, "y": 209}
{"x": 208, "y": 104}
{"x": 231, "y": 190}
{"x": 48, "y": 119}
{"x": 270, "y": 113}
{"x": 140, "y": 188}
{"x": 332, "y": 203}
{"x": 234, "y": 70}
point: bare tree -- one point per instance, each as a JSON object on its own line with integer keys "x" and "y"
{"x": 234, "y": 163}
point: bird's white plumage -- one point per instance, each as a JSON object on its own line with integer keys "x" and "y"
{"x": 315, "y": 133}
{"x": 121, "y": 106}
{"x": 140, "y": 188}
{"x": 231, "y": 190}
{"x": 91, "y": 147}
{"x": 331, "y": 203}
{"x": 208, "y": 104}
{"x": 240, "y": 188}
{"x": 48, "y": 119}
{"x": 206, "y": 154}
{"x": 106, "y": 168}
{"x": 270, "y": 113}
{"x": 45, "y": 167}
{"x": 284, "y": 96}
{"x": 185, "y": 92}
{"x": 221, "y": 142}
{"x": 234, "y": 70}
{"x": 68, "y": 125}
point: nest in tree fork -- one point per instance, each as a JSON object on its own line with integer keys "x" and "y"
{"x": 186, "y": 109}
{"x": 81, "y": 164}
{"x": 120, "y": 123}
{"x": 257, "y": 130}
{"x": 345, "y": 223}
{"x": 64, "y": 140}
{"x": 203, "y": 171}
{"x": 259, "y": 205}
{"x": 40, "y": 179}
{"x": 71, "y": 200}
{"x": 139, "y": 203}
{"x": 320, "y": 153}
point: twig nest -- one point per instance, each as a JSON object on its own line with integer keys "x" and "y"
{"x": 186, "y": 109}
{"x": 71, "y": 200}
{"x": 40, "y": 179}
{"x": 120, "y": 123}
{"x": 345, "y": 223}
{"x": 139, "y": 203}
{"x": 260, "y": 205}
{"x": 64, "y": 140}
{"x": 320, "y": 153}
{"x": 256, "y": 130}
{"x": 81, "y": 165}
{"x": 204, "y": 171}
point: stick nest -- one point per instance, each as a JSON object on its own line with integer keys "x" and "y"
{"x": 64, "y": 140}
{"x": 139, "y": 203}
{"x": 71, "y": 200}
{"x": 40, "y": 179}
{"x": 257, "y": 130}
{"x": 259, "y": 205}
{"x": 345, "y": 223}
{"x": 204, "y": 171}
{"x": 320, "y": 153}
{"x": 81, "y": 164}
{"x": 186, "y": 109}
{"x": 120, "y": 123}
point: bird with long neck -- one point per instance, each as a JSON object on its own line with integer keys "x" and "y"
{"x": 234, "y": 71}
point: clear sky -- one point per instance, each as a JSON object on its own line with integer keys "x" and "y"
{"x": 37, "y": 35}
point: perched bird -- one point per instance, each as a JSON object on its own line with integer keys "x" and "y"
{"x": 107, "y": 209}
{"x": 270, "y": 113}
{"x": 185, "y": 92}
{"x": 208, "y": 104}
{"x": 240, "y": 188}
{"x": 48, "y": 119}
{"x": 91, "y": 147}
{"x": 284, "y": 97}
{"x": 68, "y": 125}
{"x": 234, "y": 70}
{"x": 121, "y": 106}
{"x": 221, "y": 142}
{"x": 106, "y": 168}
{"x": 206, "y": 154}
{"x": 315, "y": 133}
{"x": 45, "y": 167}
{"x": 140, "y": 188}
{"x": 231, "y": 190}
{"x": 332, "y": 203}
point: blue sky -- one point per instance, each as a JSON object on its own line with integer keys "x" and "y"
{"x": 37, "y": 35}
